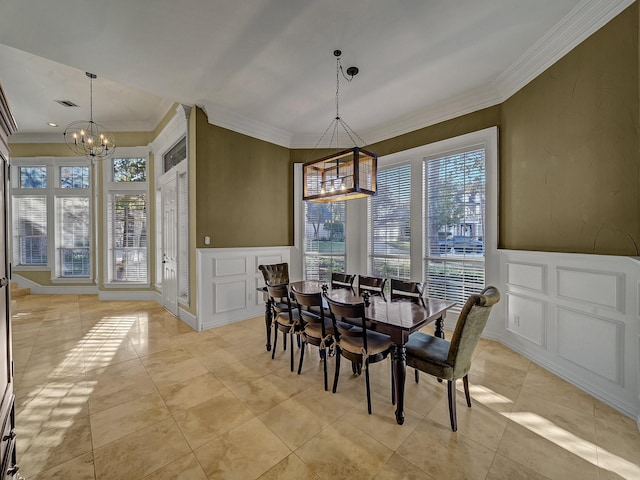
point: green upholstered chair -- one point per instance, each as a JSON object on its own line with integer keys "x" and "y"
{"x": 286, "y": 320}
{"x": 360, "y": 345}
{"x": 275, "y": 274}
{"x": 452, "y": 360}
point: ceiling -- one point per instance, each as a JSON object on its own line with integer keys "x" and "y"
{"x": 266, "y": 67}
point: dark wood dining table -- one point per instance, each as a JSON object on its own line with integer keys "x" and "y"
{"x": 398, "y": 319}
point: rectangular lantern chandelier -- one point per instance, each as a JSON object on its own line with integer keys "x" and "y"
{"x": 343, "y": 176}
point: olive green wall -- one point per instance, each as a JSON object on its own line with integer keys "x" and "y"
{"x": 244, "y": 189}
{"x": 569, "y": 150}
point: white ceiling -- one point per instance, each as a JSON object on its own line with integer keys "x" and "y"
{"x": 266, "y": 67}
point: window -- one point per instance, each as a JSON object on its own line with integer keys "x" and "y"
{"x": 126, "y": 215}
{"x": 324, "y": 239}
{"x": 390, "y": 224}
{"x": 175, "y": 155}
{"x": 52, "y": 216}
{"x": 455, "y": 224}
{"x": 30, "y": 230}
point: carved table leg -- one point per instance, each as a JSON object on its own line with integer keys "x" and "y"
{"x": 399, "y": 366}
{"x": 268, "y": 318}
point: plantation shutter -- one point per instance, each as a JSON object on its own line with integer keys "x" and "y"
{"x": 183, "y": 237}
{"x": 324, "y": 244}
{"x": 30, "y": 247}
{"x": 455, "y": 225}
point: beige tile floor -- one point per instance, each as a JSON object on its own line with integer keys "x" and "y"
{"x": 123, "y": 390}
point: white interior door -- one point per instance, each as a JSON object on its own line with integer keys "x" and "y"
{"x": 170, "y": 246}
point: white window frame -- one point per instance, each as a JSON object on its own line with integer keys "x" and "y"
{"x": 110, "y": 188}
{"x": 52, "y": 192}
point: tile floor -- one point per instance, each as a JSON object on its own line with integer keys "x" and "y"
{"x": 123, "y": 390}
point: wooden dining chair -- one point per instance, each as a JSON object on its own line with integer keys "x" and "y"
{"x": 342, "y": 280}
{"x": 316, "y": 329}
{"x": 360, "y": 345}
{"x": 286, "y": 319}
{"x": 452, "y": 360}
{"x": 402, "y": 290}
{"x": 372, "y": 285}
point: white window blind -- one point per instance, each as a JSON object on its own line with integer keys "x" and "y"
{"x": 183, "y": 237}
{"x": 30, "y": 230}
{"x": 390, "y": 224}
{"x": 128, "y": 237}
{"x": 324, "y": 239}
{"x": 455, "y": 224}
{"x": 73, "y": 256}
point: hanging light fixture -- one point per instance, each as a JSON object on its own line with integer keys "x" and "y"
{"x": 88, "y": 138}
{"x": 346, "y": 174}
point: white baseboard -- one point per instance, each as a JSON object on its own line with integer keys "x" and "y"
{"x": 188, "y": 318}
{"x": 145, "y": 295}
{"x": 62, "y": 289}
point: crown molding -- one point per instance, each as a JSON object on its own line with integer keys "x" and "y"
{"x": 581, "y": 22}
{"x": 224, "y": 118}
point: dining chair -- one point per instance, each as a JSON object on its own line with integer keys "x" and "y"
{"x": 452, "y": 360}
{"x": 342, "y": 280}
{"x": 316, "y": 329}
{"x": 402, "y": 290}
{"x": 372, "y": 285}
{"x": 359, "y": 345}
{"x": 286, "y": 319}
{"x": 275, "y": 274}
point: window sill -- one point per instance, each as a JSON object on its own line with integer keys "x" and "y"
{"x": 78, "y": 280}
{"x": 125, "y": 285}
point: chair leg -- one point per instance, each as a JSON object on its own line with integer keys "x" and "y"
{"x": 284, "y": 341}
{"x": 417, "y": 374}
{"x": 451, "y": 387}
{"x": 354, "y": 368}
{"x": 291, "y": 351}
{"x": 366, "y": 381}
{"x": 304, "y": 347}
{"x": 465, "y": 382}
{"x": 275, "y": 343}
{"x": 324, "y": 365}
{"x": 337, "y": 373}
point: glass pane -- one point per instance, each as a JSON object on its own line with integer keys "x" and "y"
{"x": 33, "y": 177}
{"x": 129, "y": 237}
{"x": 174, "y": 156}
{"x": 320, "y": 267}
{"x": 74, "y": 177}
{"x": 75, "y": 262}
{"x": 129, "y": 170}
{"x": 324, "y": 243}
{"x": 30, "y": 229}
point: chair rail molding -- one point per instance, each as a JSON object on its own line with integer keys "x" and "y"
{"x": 579, "y": 317}
{"x": 227, "y": 283}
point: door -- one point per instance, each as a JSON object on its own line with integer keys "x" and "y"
{"x": 170, "y": 246}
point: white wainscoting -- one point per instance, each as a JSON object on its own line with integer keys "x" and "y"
{"x": 579, "y": 317}
{"x": 227, "y": 283}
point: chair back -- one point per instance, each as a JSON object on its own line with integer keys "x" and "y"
{"x": 406, "y": 290}
{"x": 351, "y": 313}
{"x": 373, "y": 285}
{"x": 342, "y": 280}
{"x": 279, "y": 297}
{"x": 306, "y": 302}
{"x": 275, "y": 274}
{"x": 471, "y": 323}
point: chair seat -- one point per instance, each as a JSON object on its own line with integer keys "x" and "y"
{"x": 287, "y": 319}
{"x": 376, "y": 343}
{"x": 315, "y": 329}
{"x": 429, "y": 354}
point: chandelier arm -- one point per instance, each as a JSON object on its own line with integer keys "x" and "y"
{"x": 320, "y": 139}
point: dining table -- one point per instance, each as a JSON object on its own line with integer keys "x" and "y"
{"x": 398, "y": 319}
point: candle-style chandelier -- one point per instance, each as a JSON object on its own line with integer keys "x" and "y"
{"x": 346, "y": 174}
{"x": 88, "y": 138}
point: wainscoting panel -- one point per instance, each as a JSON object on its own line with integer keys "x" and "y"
{"x": 591, "y": 342}
{"x": 577, "y": 316}
{"x": 531, "y": 277}
{"x": 604, "y": 289}
{"x": 230, "y": 266}
{"x": 228, "y": 279}
{"x": 526, "y": 318}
